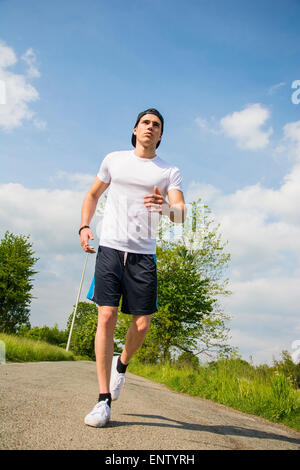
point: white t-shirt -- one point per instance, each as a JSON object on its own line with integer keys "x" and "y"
{"x": 127, "y": 224}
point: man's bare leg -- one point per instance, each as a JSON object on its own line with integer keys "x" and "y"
{"x": 135, "y": 336}
{"x": 104, "y": 345}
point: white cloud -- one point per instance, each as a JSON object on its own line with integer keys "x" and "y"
{"x": 262, "y": 226}
{"x": 292, "y": 134}
{"x": 7, "y": 56}
{"x": 30, "y": 58}
{"x": 81, "y": 181}
{"x": 52, "y": 219}
{"x": 55, "y": 298}
{"x": 266, "y": 316}
{"x": 19, "y": 92}
{"x": 39, "y": 124}
{"x": 201, "y": 122}
{"x": 208, "y": 125}
{"x": 245, "y": 127}
{"x": 289, "y": 145}
{"x": 207, "y": 192}
{"x": 273, "y": 89}
{"x": 261, "y": 348}
{"x": 260, "y": 299}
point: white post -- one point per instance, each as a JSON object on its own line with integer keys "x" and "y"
{"x": 78, "y": 296}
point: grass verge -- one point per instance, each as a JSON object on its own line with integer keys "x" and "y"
{"x": 271, "y": 396}
{"x": 20, "y": 349}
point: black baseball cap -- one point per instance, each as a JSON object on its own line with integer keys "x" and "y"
{"x": 148, "y": 111}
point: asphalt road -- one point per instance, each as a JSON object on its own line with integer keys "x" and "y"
{"x": 43, "y": 405}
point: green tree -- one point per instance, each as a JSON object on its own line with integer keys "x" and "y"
{"x": 45, "y": 333}
{"x": 183, "y": 298}
{"x": 191, "y": 281}
{"x": 288, "y": 367}
{"x": 84, "y": 330}
{"x": 149, "y": 352}
{"x": 187, "y": 359}
{"x": 16, "y": 271}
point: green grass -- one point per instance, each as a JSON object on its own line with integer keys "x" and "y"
{"x": 234, "y": 384}
{"x": 20, "y": 349}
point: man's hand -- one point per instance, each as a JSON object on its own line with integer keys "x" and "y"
{"x": 155, "y": 201}
{"x": 85, "y": 235}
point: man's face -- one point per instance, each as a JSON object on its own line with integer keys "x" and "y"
{"x": 148, "y": 130}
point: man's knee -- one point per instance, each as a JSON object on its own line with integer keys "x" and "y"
{"x": 107, "y": 316}
{"x": 143, "y": 323}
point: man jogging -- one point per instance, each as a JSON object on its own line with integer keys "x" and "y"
{"x": 139, "y": 181}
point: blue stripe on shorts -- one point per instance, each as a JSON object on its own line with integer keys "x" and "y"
{"x": 91, "y": 291}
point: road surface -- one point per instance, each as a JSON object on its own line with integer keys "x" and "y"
{"x": 43, "y": 405}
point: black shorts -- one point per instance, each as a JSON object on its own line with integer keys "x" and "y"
{"x": 132, "y": 275}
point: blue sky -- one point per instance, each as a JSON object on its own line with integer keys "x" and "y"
{"x": 221, "y": 75}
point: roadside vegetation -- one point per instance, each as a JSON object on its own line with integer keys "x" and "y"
{"x": 22, "y": 349}
{"x": 270, "y": 392}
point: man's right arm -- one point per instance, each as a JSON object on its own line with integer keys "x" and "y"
{"x": 87, "y": 211}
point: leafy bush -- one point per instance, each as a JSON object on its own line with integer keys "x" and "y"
{"x": 84, "y": 330}
{"x": 287, "y": 367}
{"x": 187, "y": 359}
{"x": 149, "y": 352}
{"x": 50, "y": 335}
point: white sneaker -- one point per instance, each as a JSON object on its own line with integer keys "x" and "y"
{"x": 116, "y": 379}
{"x": 99, "y": 415}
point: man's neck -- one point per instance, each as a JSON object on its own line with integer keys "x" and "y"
{"x": 144, "y": 152}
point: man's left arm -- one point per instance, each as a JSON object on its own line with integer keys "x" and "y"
{"x": 176, "y": 209}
